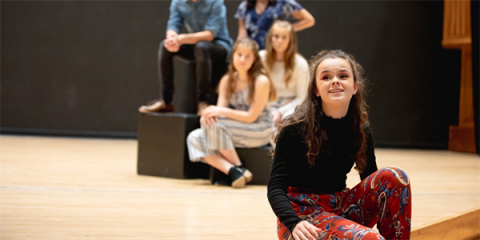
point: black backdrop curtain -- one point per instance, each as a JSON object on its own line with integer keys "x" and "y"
{"x": 475, "y": 59}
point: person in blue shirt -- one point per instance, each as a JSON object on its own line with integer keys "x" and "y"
{"x": 255, "y": 17}
{"x": 207, "y": 41}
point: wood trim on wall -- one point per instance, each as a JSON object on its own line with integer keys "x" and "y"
{"x": 457, "y": 34}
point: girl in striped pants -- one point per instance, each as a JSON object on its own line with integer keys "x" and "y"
{"x": 241, "y": 117}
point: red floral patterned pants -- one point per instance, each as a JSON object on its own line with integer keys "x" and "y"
{"x": 383, "y": 198}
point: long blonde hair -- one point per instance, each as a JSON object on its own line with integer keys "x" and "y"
{"x": 255, "y": 70}
{"x": 290, "y": 53}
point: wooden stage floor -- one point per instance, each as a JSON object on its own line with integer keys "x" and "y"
{"x": 74, "y": 188}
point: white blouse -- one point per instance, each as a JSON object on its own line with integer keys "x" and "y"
{"x": 297, "y": 88}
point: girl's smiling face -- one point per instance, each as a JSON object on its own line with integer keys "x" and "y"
{"x": 335, "y": 81}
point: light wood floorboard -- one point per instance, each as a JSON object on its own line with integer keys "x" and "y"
{"x": 74, "y": 188}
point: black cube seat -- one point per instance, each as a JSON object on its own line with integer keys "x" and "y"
{"x": 258, "y": 160}
{"x": 185, "y": 83}
{"x": 162, "y": 146}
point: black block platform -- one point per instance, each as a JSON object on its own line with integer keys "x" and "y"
{"x": 185, "y": 85}
{"x": 257, "y": 160}
{"x": 162, "y": 149}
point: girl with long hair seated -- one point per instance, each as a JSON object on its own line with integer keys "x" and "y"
{"x": 241, "y": 117}
{"x": 317, "y": 146}
{"x": 287, "y": 69}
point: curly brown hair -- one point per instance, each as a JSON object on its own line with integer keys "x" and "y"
{"x": 310, "y": 113}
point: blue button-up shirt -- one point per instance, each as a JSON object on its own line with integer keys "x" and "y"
{"x": 201, "y": 16}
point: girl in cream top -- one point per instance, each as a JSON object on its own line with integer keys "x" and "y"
{"x": 288, "y": 70}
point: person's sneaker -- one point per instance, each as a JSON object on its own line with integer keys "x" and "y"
{"x": 201, "y": 106}
{"x": 247, "y": 174}
{"x": 157, "y": 106}
{"x": 238, "y": 180}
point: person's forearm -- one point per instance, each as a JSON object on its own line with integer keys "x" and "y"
{"x": 302, "y": 24}
{"x": 242, "y": 33}
{"x": 305, "y": 20}
{"x": 192, "y": 38}
{"x": 241, "y": 116}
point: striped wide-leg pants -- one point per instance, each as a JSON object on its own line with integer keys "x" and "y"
{"x": 227, "y": 134}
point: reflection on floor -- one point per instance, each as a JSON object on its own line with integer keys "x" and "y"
{"x": 69, "y": 188}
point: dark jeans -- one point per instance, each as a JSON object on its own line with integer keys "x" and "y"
{"x": 210, "y": 58}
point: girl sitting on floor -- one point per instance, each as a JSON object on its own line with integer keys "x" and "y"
{"x": 317, "y": 146}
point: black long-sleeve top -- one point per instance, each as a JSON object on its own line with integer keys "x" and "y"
{"x": 329, "y": 174}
